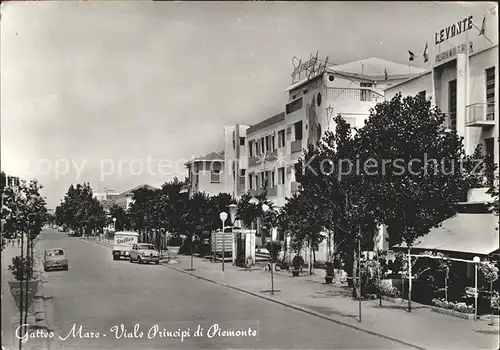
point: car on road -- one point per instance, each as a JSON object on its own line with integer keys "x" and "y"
{"x": 55, "y": 258}
{"x": 144, "y": 253}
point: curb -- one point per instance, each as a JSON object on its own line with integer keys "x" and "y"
{"x": 298, "y": 308}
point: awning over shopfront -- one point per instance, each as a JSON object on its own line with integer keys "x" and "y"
{"x": 464, "y": 233}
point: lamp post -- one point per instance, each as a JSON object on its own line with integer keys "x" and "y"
{"x": 223, "y": 218}
{"x": 114, "y": 224}
{"x": 233, "y": 208}
{"x": 265, "y": 209}
{"x": 329, "y": 112}
{"x": 476, "y": 261}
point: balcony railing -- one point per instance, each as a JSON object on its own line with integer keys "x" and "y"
{"x": 253, "y": 161}
{"x": 481, "y": 114}
{"x": 296, "y": 146}
{"x": 354, "y": 94}
{"x": 272, "y": 155}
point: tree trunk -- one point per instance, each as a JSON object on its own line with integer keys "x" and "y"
{"x": 409, "y": 279}
{"x": 354, "y": 274}
{"x": 310, "y": 259}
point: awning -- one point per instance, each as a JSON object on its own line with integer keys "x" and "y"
{"x": 464, "y": 232}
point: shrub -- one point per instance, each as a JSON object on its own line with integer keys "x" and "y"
{"x": 495, "y": 303}
{"x": 21, "y": 268}
{"x": 488, "y": 271}
{"x": 298, "y": 261}
{"x": 456, "y": 306}
{"x": 392, "y": 292}
{"x": 329, "y": 270}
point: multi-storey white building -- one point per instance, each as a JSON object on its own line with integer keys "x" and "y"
{"x": 275, "y": 144}
{"x": 206, "y": 174}
{"x": 463, "y": 81}
{"x": 235, "y": 159}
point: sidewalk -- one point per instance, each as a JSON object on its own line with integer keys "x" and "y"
{"x": 421, "y": 328}
{"x": 9, "y": 308}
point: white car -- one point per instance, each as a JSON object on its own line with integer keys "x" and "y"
{"x": 144, "y": 253}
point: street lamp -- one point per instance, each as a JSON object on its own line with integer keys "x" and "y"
{"x": 114, "y": 224}
{"x": 265, "y": 209}
{"x": 329, "y": 112}
{"x": 223, "y": 217}
{"x": 476, "y": 261}
{"x": 233, "y": 208}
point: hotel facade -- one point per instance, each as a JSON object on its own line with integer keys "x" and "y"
{"x": 463, "y": 82}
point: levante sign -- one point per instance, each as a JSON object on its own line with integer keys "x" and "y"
{"x": 453, "y": 30}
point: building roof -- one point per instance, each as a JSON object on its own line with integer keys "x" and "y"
{"x": 131, "y": 191}
{"x": 375, "y": 67}
{"x": 266, "y": 122}
{"x": 371, "y": 68}
{"x": 208, "y": 157}
{"x": 464, "y": 232}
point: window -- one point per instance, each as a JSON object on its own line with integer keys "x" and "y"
{"x": 294, "y": 106}
{"x": 215, "y": 176}
{"x": 273, "y": 142}
{"x": 273, "y": 183}
{"x": 257, "y": 182}
{"x": 281, "y": 176}
{"x": 257, "y": 148}
{"x": 268, "y": 143}
{"x": 298, "y": 131}
{"x": 490, "y": 93}
{"x": 250, "y": 148}
{"x": 242, "y": 141}
{"x": 281, "y": 138}
{"x": 250, "y": 181}
{"x": 452, "y": 104}
{"x": 366, "y": 85}
{"x": 263, "y": 145}
{"x": 243, "y": 172}
{"x": 421, "y": 94}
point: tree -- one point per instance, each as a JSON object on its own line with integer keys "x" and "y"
{"x": 80, "y": 211}
{"x": 248, "y": 212}
{"x": 336, "y": 193}
{"x": 122, "y": 219}
{"x": 417, "y": 178}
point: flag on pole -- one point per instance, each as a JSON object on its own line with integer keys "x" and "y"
{"x": 385, "y": 74}
{"x": 412, "y": 55}
{"x": 483, "y": 26}
{"x": 426, "y": 56}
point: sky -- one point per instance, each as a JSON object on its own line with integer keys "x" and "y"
{"x": 120, "y": 94}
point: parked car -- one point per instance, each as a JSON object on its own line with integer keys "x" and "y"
{"x": 144, "y": 253}
{"x": 55, "y": 259}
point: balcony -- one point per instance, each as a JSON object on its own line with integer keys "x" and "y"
{"x": 296, "y": 146}
{"x": 355, "y": 94}
{"x": 272, "y": 155}
{"x": 481, "y": 115}
{"x": 253, "y": 161}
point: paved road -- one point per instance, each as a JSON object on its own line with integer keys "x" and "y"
{"x": 98, "y": 293}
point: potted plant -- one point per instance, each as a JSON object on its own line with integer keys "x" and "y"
{"x": 495, "y": 309}
{"x": 22, "y": 270}
{"x": 297, "y": 263}
{"x": 329, "y": 272}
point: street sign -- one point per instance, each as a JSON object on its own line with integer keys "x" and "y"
{"x": 217, "y": 240}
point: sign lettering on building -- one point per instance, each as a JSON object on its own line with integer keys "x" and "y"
{"x": 453, "y": 52}
{"x": 309, "y": 69}
{"x": 453, "y": 30}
